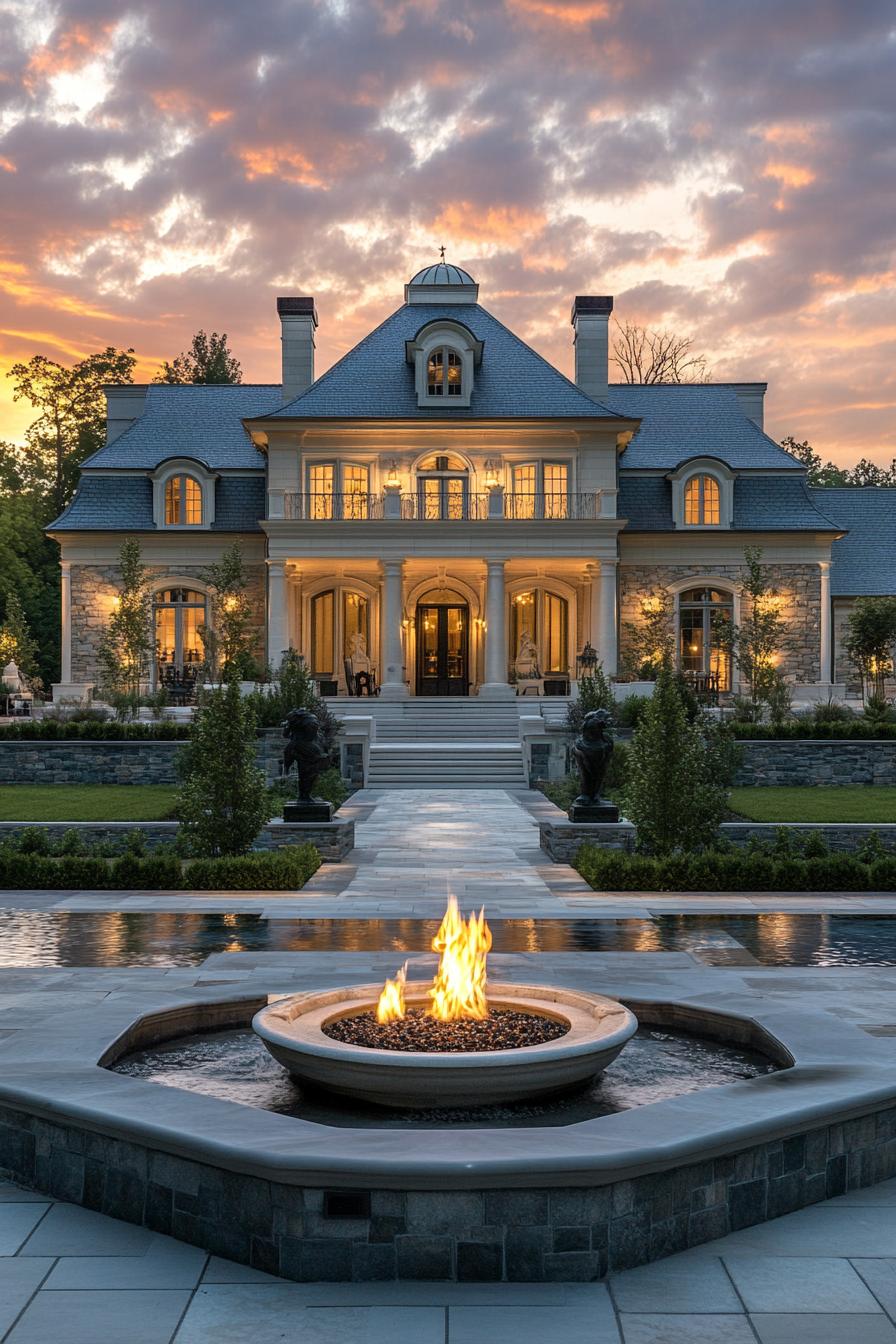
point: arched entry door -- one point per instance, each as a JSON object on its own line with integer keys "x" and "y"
{"x": 443, "y": 648}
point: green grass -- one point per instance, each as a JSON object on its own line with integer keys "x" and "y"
{"x": 860, "y": 802}
{"x": 86, "y": 802}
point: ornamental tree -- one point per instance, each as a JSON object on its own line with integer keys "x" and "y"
{"x": 761, "y": 637}
{"x": 222, "y": 803}
{"x": 126, "y": 647}
{"x": 229, "y": 638}
{"x": 650, "y": 641}
{"x": 870, "y": 640}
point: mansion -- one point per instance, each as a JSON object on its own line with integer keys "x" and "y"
{"x": 445, "y": 513}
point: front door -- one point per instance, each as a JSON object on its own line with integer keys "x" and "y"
{"x": 442, "y": 650}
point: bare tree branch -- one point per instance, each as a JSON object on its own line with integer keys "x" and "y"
{"x": 645, "y": 355}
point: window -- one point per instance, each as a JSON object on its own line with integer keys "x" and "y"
{"x": 444, "y": 373}
{"x": 323, "y": 610}
{"x": 338, "y": 490}
{"x": 701, "y": 502}
{"x": 540, "y": 490}
{"x": 442, "y": 488}
{"x": 355, "y": 488}
{"x": 183, "y": 502}
{"x": 539, "y": 619}
{"x": 320, "y": 488}
{"x": 178, "y": 614}
{"x": 705, "y": 616}
{"x": 355, "y": 623}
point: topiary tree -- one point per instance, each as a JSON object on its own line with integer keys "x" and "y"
{"x": 222, "y": 803}
{"x": 650, "y": 641}
{"x": 870, "y": 640}
{"x": 229, "y": 639}
{"x": 126, "y": 646}
{"x": 672, "y": 792}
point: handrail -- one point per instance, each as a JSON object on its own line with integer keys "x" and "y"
{"x": 479, "y": 507}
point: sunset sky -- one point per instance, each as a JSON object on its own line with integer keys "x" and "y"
{"x": 723, "y": 167}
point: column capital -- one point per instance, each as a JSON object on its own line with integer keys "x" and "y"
{"x": 276, "y": 566}
{"x": 495, "y": 562}
{"x": 392, "y": 568}
{"x": 66, "y": 567}
{"x": 609, "y": 566}
{"x": 824, "y": 566}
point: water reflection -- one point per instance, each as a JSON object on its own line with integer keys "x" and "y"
{"x": 182, "y": 938}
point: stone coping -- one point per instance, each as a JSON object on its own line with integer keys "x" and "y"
{"x": 51, "y": 1071}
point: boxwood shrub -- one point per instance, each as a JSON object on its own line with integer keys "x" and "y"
{"x": 281, "y": 870}
{"x": 733, "y": 870}
{"x": 809, "y": 730}
{"x": 52, "y": 730}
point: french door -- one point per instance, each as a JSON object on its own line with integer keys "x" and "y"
{"x": 442, "y": 650}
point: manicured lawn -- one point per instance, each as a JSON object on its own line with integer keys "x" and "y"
{"x": 86, "y": 802}
{"x": 862, "y": 802}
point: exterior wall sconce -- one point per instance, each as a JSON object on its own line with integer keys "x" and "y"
{"x": 491, "y": 473}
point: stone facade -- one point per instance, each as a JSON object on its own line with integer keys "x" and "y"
{"x": 816, "y": 762}
{"x": 333, "y": 839}
{"x": 559, "y": 1234}
{"x": 799, "y": 586}
{"x": 94, "y": 587}
{"x": 84, "y": 762}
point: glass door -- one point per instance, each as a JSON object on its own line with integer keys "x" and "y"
{"x": 442, "y": 650}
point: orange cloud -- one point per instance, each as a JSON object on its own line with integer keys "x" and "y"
{"x": 283, "y": 161}
{"x": 464, "y": 221}
{"x": 574, "y": 13}
{"x": 69, "y": 49}
{"x": 7, "y": 164}
{"x": 789, "y": 174}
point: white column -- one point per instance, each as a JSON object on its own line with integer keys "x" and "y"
{"x": 496, "y": 685}
{"x": 825, "y": 673}
{"x": 294, "y": 608}
{"x": 278, "y": 638}
{"x": 393, "y": 685}
{"x": 594, "y": 608}
{"x": 66, "y": 632}
{"x": 607, "y": 638}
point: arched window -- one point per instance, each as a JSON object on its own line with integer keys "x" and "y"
{"x": 183, "y": 502}
{"x": 701, "y": 502}
{"x": 179, "y": 614}
{"x": 444, "y": 373}
{"x": 539, "y": 630}
{"x": 442, "y": 487}
{"x": 705, "y": 616}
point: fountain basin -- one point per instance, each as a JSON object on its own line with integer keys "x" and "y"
{"x": 597, "y": 1029}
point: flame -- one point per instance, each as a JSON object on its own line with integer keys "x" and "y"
{"x": 390, "y": 1007}
{"x": 458, "y": 990}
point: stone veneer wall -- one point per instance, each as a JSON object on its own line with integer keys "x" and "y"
{"x": 94, "y": 587}
{"x": 559, "y": 1234}
{"x": 834, "y": 762}
{"x": 334, "y": 839}
{"x": 799, "y": 586}
{"x": 561, "y": 839}
{"x": 81, "y": 762}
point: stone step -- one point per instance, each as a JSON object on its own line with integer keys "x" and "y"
{"x": 458, "y": 765}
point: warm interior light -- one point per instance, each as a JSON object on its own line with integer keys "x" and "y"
{"x": 229, "y": 603}
{"x": 393, "y": 480}
{"x": 458, "y": 988}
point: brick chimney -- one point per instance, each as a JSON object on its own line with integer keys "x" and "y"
{"x": 298, "y": 318}
{"x": 590, "y": 321}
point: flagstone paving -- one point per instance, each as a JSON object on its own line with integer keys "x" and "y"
{"x": 826, "y": 1274}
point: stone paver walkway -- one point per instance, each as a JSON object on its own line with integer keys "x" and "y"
{"x": 824, "y": 1275}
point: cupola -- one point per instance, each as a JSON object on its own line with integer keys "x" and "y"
{"x": 442, "y": 282}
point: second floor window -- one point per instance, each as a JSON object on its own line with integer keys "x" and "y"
{"x": 444, "y": 373}
{"x": 701, "y": 502}
{"x": 183, "y": 502}
{"x": 540, "y": 490}
{"x": 338, "y": 490}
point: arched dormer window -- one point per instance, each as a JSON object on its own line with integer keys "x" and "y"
{"x": 183, "y": 502}
{"x": 702, "y": 505}
{"x": 183, "y": 493}
{"x": 444, "y": 373}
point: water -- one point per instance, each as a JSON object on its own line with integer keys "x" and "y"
{"x": 111, "y": 938}
{"x": 235, "y": 1066}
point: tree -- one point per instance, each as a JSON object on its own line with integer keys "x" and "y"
{"x": 645, "y": 355}
{"x": 650, "y": 641}
{"x": 72, "y": 406}
{"x": 222, "y": 802}
{"x": 29, "y": 565}
{"x": 672, "y": 791}
{"x": 870, "y": 639}
{"x": 595, "y": 692}
{"x": 208, "y": 360}
{"x": 229, "y": 638}
{"x": 758, "y": 642}
{"x": 16, "y": 642}
{"x": 126, "y": 646}
{"x": 826, "y": 475}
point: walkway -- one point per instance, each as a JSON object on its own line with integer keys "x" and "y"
{"x": 824, "y": 1275}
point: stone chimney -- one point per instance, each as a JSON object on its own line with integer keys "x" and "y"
{"x": 298, "y": 318}
{"x": 591, "y": 321}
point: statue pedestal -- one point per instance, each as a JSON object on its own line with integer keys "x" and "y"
{"x": 316, "y": 809}
{"x": 596, "y": 811}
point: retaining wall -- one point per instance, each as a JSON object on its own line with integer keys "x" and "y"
{"x": 83, "y": 762}
{"x": 334, "y": 839}
{"x": 836, "y": 761}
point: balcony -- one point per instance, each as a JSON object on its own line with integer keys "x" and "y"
{"x": 471, "y": 508}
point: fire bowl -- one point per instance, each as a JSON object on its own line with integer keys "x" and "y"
{"x": 597, "y": 1029}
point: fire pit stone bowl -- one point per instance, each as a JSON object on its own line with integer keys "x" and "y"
{"x": 597, "y": 1029}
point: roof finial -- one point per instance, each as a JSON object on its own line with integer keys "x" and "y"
{"x": 442, "y": 251}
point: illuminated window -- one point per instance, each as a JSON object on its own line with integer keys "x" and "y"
{"x": 442, "y": 488}
{"x": 701, "y": 502}
{"x": 320, "y": 488}
{"x": 183, "y": 502}
{"x": 540, "y": 618}
{"x": 323, "y": 613}
{"x": 444, "y": 374}
{"x": 179, "y": 615}
{"x": 540, "y": 490}
{"x": 355, "y": 488}
{"x": 556, "y": 490}
{"x": 705, "y": 616}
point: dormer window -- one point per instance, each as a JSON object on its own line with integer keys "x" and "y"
{"x": 702, "y": 505}
{"x": 183, "y": 502}
{"x": 444, "y": 373}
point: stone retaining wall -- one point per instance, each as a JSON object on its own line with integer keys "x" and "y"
{"x": 817, "y": 762}
{"x": 561, "y": 839}
{"x": 517, "y": 1235}
{"x": 153, "y": 761}
{"x": 334, "y": 839}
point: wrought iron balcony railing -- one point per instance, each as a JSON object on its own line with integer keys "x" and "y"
{"x": 444, "y": 508}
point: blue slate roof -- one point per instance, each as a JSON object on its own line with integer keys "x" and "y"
{"x": 374, "y": 380}
{"x": 192, "y": 421}
{"x": 864, "y": 561}
{"x": 679, "y": 421}
{"x": 772, "y": 503}
{"x": 124, "y": 504}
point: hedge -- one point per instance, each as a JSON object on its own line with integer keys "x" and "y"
{"x": 89, "y": 730}
{"x": 282, "y": 870}
{"x": 809, "y": 730}
{"x": 735, "y": 870}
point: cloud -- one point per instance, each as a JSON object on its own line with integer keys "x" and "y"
{"x": 725, "y": 170}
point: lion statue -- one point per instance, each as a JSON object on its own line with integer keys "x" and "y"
{"x": 303, "y": 750}
{"x": 592, "y": 750}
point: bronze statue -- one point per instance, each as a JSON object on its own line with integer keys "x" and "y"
{"x": 592, "y": 750}
{"x": 304, "y": 750}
